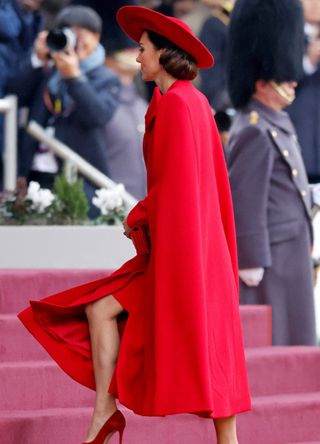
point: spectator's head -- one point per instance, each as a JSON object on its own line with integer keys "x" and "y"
{"x": 85, "y": 23}
{"x": 183, "y": 7}
{"x": 123, "y": 63}
{"x": 30, "y": 5}
{"x": 311, "y": 11}
{"x": 265, "y": 50}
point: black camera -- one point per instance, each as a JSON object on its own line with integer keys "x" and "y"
{"x": 61, "y": 39}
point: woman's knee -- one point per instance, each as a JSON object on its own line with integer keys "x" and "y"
{"x": 106, "y": 308}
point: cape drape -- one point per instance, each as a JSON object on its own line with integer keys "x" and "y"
{"x": 181, "y": 350}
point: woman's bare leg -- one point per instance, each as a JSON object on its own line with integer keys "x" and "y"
{"x": 102, "y": 319}
{"x": 226, "y": 430}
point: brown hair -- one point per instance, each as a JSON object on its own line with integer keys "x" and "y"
{"x": 174, "y": 60}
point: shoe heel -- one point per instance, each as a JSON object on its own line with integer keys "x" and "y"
{"x": 120, "y": 436}
{"x": 116, "y": 423}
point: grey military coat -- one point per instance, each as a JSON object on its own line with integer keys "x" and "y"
{"x": 272, "y": 206}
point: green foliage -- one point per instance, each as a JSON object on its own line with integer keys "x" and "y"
{"x": 67, "y": 204}
{"x": 116, "y": 217}
{"x": 71, "y": 204}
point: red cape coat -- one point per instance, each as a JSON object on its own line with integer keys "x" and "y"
{"x": 182, "y": 349}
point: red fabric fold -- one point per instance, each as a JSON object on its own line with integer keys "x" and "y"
{"x": 182, "y": 349}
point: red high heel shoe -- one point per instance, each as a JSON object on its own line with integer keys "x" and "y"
{"x": 116, "y": 423}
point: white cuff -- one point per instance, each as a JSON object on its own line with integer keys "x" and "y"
{"x": 308, "y": 67}
{"x": 252, "y": 276}
{"x": 35, "y": 61}
{"x": 315, "y": 193}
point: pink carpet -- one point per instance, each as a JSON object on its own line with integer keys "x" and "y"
{"x": 39, "y": 404}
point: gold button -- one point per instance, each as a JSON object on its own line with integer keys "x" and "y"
{"x": 303, "y": 193}
{"x": 294, "y": 172}
{"x": 274, "y": 133}
{"x": 254, "y": 118}
{"x": 285, "y": 153}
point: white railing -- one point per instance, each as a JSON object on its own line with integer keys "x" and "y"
{"x": 85, "y": 168}
{"x": 8, "y": 106}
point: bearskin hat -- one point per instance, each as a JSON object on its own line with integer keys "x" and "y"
{"x": 265, "y": 43}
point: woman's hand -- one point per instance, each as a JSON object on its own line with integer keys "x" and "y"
{"x": 127, "y": 229}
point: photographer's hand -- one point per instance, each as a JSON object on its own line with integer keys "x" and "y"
{"x": 40, "y": 46}
{"x": 67, "y": 63}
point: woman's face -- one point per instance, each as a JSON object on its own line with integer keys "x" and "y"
{"x": 148, "y": 58}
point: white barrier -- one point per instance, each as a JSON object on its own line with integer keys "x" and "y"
{"x": 8, "y": 106}
{"x": 64, "y": 247}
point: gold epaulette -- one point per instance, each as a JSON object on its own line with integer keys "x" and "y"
{"x": 227, "y": 6}
{"x": 254, "y": 118}
{"x": 222, "y": 16}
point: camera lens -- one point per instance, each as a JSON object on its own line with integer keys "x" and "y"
{"x": 61, "y": 39}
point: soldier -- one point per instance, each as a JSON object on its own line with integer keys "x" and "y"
{"x": 270, "y": 189}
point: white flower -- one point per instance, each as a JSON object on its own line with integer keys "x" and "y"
{"x": 33, "y": 190}
{"x": 41, "y": 198}
{"x": 109, "y": 200}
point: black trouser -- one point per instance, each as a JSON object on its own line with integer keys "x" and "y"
{"x": 46, "y": 180}
{"x": 1, "y": 174}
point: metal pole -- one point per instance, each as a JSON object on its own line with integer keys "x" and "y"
{"x": 84, "y": 167}
{"x": 8, "y": 106}
{"x": 70, "y": 171}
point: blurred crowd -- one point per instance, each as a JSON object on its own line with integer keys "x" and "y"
{"x": 102, "y": 119}
{"x": 23, "y": 50}
{"x": 84, "y": 88}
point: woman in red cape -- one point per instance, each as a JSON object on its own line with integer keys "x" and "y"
{"x": 181, "y": 350}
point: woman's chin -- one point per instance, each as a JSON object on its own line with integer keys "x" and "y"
{"x": 145, "y": 77}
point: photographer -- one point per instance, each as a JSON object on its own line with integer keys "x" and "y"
{"x": 69, "y": 91}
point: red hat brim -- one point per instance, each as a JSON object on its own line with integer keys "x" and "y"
{"x": 134, "y": 20}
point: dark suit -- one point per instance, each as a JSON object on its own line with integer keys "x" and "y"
{"x": 213, "y": 80}
{"x": 272, "y": 206}
{"x": 305, "y": 114}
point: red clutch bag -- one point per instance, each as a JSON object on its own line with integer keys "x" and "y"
{"x": 141, "y": 240}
